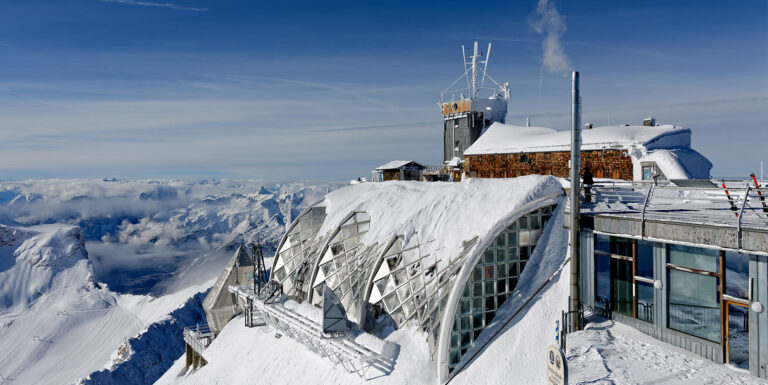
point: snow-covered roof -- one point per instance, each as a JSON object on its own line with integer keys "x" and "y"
{"x": 405, "y": 248}
{"x": 395, "y": 164}
{"x": 504, "y": 138}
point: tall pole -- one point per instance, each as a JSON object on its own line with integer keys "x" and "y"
{"x": 474, "y": 73}
{"x": 575, "y": 302}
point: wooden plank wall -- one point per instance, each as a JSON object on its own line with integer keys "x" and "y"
{"x": 615, "y": 164}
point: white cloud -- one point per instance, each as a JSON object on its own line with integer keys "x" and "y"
{"x": 551, "y": 26}
{"x": 158, "y": 5}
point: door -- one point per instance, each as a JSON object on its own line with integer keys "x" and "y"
{"x": 737, "y": 334}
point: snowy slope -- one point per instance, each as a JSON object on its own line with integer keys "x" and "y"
{"x": 152, "y": 245}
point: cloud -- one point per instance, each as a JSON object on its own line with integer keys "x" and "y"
{"x": 551, "y": 26}
{"x": 158, "y": 5}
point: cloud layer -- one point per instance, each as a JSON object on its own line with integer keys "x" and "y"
{"x": 158, "y": 5}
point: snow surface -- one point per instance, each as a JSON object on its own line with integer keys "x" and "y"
{"x": 504, "y": 138}
{"x": 607, "y": 352}
{"x": 394, "y": 164}
{"x": 679, "y": 163}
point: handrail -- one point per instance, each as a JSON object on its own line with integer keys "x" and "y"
{"x": 702, "y": 205}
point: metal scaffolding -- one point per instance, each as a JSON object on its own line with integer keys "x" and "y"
{"x": 341, "y": 350}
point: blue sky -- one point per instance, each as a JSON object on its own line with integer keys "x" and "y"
{"x": 328, "y": 90}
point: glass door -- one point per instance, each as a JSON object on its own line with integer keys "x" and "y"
{"x": 737, "y": 334}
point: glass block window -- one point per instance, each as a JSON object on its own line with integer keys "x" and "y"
{"x": 493, "y": 280}
{"x": 294, "y": 251}
{"x": 341, "y": 266}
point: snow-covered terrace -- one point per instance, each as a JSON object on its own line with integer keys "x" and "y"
{"x": 696, "y": 215}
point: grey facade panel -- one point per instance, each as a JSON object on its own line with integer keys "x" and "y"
{"x": 754, "y": 240}
{"x": 616, "y": 225}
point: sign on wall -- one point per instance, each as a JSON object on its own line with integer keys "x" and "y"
{"x": 557, "y": 369}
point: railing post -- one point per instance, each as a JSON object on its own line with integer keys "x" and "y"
{"x": 741, "y": 215}
{"x": 645, "y": 206}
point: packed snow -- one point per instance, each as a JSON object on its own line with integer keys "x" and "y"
{"x": 607, "y": 352}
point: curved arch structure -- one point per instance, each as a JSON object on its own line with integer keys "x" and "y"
{"x": 403, "y": 254}
{"x": 291, "y": 260}
{"x": 487, "y": 279}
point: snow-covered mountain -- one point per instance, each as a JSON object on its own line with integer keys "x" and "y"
{"x": 92, "y": 270}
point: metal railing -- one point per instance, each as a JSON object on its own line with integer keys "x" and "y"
{"x": 341, "y": 350}
{"x": 740, "y": 205}
{"x": 198, "y": 337}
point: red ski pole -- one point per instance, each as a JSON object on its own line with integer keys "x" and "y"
{"x": 730, "y": 199}
{"x": 760, "y": 194}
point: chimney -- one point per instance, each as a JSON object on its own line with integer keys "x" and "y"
{"x": 649, "y": 121}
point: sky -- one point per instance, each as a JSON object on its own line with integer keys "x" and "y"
{"x": 328, "y": 90}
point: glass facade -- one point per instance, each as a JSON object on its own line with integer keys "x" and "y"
{"x": 411, "y": 287}
{"x": 294, "y": 251}
{"x": 342, "y": 265}
{"x": 493, "y": 280}
{"x": 694, "y": 300}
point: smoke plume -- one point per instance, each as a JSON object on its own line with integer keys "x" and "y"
{"x": 548, "y": 23}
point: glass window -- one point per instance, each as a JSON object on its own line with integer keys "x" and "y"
{"x": 645, "y": 259}
{"x": 602, "y": 280}
{"x": 489, "y": 279}
{"x": 694, "y": 257}
{"x": 694, "y": 307}
{"x": 645, "y": 301}
{"x": 737, "y": 274}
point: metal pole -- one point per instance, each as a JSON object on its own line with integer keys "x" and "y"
{"x": 255, "y": 273}
{"x": 574, "y": 301}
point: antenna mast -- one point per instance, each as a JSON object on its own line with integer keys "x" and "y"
{"x": 475, "y": 87}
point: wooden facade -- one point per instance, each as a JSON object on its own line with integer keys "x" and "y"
{"x": 614, "y": 164}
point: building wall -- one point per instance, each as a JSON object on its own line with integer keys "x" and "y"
{"x": 464, "y": 129}
{"x": 390, "y": 175}
{"x": 614, "y": 164}
{"x": 758, "y": 277}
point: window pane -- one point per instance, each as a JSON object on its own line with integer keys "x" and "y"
{"x": 645, "y": 301}
{"x": 621, "y": 283}
{"x": 736, "y": 274}
{"x": 602, "y": 243}
{"x": 693, "y": 304}
{"x": 621, "y": 246}
{"x": 645, "y": 259}
{"x": 602, "y": 280}
{"x": 693, "y": 257}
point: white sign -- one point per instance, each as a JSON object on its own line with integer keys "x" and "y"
{"x": 557, "y": 366}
